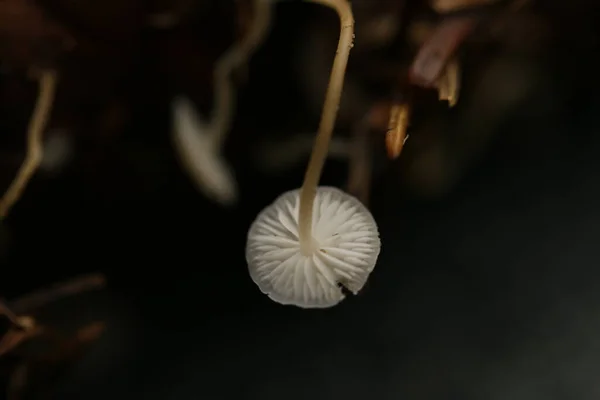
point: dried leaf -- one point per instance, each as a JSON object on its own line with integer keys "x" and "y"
{"x": 439, "y": 49}
{"x": 449, "y": 83}
{"x": 396, "y": 133}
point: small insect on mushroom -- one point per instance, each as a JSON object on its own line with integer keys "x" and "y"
{"x": 309, "y": 241}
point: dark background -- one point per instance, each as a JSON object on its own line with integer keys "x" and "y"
{"x": 490, "y": 292}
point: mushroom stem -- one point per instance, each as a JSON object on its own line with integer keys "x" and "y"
{"x": 33, "y": 157}
{"x": 198, "y": 144}
{"x": 225, "y": 93}
{"x": 328, "y": 116}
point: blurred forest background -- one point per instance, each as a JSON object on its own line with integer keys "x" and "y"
{"x": 487, "y": 285}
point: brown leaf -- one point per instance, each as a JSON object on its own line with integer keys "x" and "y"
{"x": 439, "y": 49}
{"x": 398, "y": 124}
{"x": 449, "y": 83}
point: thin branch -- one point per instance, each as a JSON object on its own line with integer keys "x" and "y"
{"x": 34, "y": 154}
{"x": 22, "y": 330}
{"x": 35, "y": 300}
{"x": 25, "y": 327}
{"x": 235, "y": 57}
{"x": 8, "y": 313}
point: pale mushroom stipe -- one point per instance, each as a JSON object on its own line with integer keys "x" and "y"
{"x": 199, "y": 143}
{"x": 310, "y": 242}
{"x": 35, "y": 151}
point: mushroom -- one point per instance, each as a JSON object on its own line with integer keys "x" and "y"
{"x": 199, "y": 143}
{"x": 313, "y": 242}
{"x": 199, "y": 152}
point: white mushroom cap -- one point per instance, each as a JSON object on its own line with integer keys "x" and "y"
{"x": 346, "y": 249}
{"x": 200, "y": 154}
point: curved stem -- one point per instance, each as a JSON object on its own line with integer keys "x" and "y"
{"x": 328, "y": 116}
{"x": 34, "y": 154}
{"x": 225, "y": 94}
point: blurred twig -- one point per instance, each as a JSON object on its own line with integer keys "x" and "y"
{"x": 21, "y": 329}
{"x": 33, "y": 157}
{"x": 72, "y": 287}
{"x": 24, "y": 327}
